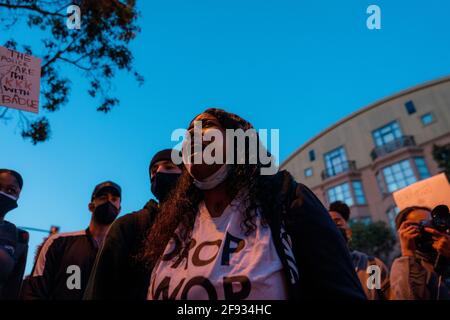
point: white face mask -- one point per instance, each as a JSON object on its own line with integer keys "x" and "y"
{"x": 213, "y": 180}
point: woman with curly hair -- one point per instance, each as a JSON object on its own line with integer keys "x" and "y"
{"x": 229, "y": 232}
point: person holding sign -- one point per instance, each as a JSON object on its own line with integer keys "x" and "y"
{"x": 13, "y": 241}
{"x": 229, "y": 232}
{"x": 423, "y": 270}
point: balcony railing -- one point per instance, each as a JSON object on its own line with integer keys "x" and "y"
{"x": 402, "y": 142}
{"x": 346, "y": 166}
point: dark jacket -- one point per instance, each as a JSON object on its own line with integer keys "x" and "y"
{"x": 314, "y": 254}
{"x": 13, "y": 257}
{"x": 63, "y": 267}
{"x": 324, "y": 267}
{"x": 117, "y": 274}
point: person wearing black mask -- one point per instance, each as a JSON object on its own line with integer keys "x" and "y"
{"x": 164, "y": 174}
{"x": 117, "y": 273}
{"x": 64, "y": 263}
{"x": 13, "y": 241}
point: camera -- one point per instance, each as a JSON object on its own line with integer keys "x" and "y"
{"x": 440, "y": 221}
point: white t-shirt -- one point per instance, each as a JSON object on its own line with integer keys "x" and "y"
{"x": 223, "y": 262}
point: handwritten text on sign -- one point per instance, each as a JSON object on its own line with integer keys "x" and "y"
{"x": 20, "y": 76}
{"x": 429, "y": 193}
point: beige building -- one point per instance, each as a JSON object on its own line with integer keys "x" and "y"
{"x": 377, "y": 150}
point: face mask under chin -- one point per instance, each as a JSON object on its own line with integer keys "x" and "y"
{"x": 212, "y": 180}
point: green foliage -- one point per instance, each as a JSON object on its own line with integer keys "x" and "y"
{"x": 38, "y": 130}
{"x": 375, "y": 239}
{"x": 98, "y": 49}
{"x": 441, "y": 155}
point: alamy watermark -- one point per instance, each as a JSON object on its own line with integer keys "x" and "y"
{"x": 374, "y": 20}
{"x": 374, "y": 279}
{"x": 73, "y": 17}
{"x": 206, "y": 146}
{"x": 74, "y": 279}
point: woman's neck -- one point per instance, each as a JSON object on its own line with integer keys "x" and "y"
{"x": 217, "y": 199}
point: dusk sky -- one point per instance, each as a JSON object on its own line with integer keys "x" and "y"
{"x": 297, "y": 66}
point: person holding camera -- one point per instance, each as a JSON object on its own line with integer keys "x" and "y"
{"x": 421, "y": 273}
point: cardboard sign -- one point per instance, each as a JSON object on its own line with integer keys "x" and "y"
{"x": 20, "y": 76}
{"x": 427, "y": 193}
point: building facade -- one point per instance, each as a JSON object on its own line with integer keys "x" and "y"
{"x": 377, "y": 150}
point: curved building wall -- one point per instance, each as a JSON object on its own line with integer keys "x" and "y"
{"x": 377, "y": 150}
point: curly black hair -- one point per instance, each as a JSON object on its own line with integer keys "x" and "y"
{"x": 340, "y": 207}
{"x": 179, "y": 211}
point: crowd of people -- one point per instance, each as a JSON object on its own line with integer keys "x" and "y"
{"x": 218, "y": 231}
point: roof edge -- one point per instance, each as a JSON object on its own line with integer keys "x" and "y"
{"x": 404, "y": 92}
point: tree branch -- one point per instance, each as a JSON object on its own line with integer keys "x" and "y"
{"x": 31, "y": 8}
{"x": 74, "y": 63}
{"x": 58, "y": 54}
{"x": 3, "y": 114}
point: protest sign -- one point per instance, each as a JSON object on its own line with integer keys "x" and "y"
{"x": 428, "y": 193}
{"x": 20, "y": 76}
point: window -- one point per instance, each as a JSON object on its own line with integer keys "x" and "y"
{"x": 340, "y": 192}
{"x": 308, "y": 172}
{"x": 387, "y": 134}
{"x": 422, "y": 168}
{"x": 427, "y": 119}
{"x": 392, "y": 214}
{"x": 398, "y": 175}
{"x": 336, "y": 161}
{"x": 364, "y": 220}
{"x": 410, "y": 107}
{"x": 312, "y": 155}
{"x": 343, "y": 193}
{"x": 359, "y": 192}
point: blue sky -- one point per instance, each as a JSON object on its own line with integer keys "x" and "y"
{"x": 297, "y": 66}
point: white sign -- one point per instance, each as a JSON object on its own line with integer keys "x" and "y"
{"x": 20, "y": 76}
{"x": 427, "y": 193}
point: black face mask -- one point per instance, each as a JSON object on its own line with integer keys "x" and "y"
{"x": 163, "y": 183}
{"x": 105, "y": 213}
{"x": 6, "y": 204}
